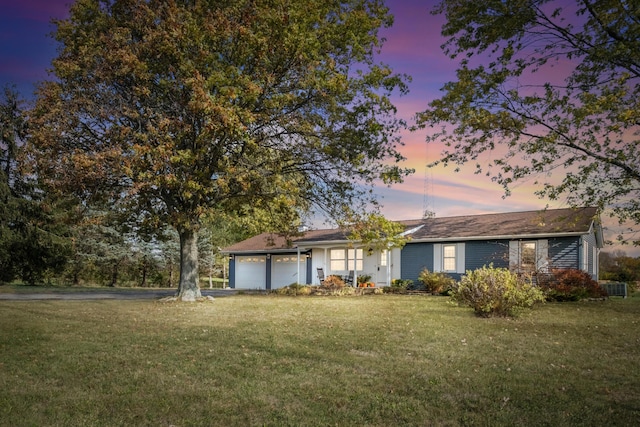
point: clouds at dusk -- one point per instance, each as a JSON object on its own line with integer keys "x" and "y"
{"x": 412, "y": 47}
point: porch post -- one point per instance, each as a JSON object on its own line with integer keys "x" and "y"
{"x": 388, "y": 265}
{"x": 298, "y": 264}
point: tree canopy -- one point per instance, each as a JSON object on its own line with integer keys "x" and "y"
{"x": 545, "y": 90}
{"x": 168, "y": 109}
{"x": 33, "y": 226}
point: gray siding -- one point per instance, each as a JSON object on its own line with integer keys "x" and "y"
{"x": 590, "y": 240}
{"x": 415, "y": 257}
{"x": 482, "y": 253}
{"x": 564, "y": 252}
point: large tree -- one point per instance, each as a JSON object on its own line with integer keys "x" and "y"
{"x": 168, "y": 109}
{"x": 545, "y": 89}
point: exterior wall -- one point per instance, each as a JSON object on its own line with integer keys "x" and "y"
{"x": 234, "y": 266}
{"x": 418, "y": 256}
{"x": 590, "y": 255}
{"x": 579, "y": 252}
{"x": 415, "y": 257}
{"x": 564, "y": 252}
{"x": 482, "y": 253}
{"x": 396, "y": 263}
{"x": 320, "y": 258}
{"x": 238, "y": 277}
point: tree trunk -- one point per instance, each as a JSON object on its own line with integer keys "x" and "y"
{"x": 143, "y": 282}
{"x": 114, "y": 274}
{"x": 188, "y": 289}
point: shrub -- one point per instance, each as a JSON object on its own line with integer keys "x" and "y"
{"x": 333, "y": 282}
{"x": 495, "y": 292}
{"x": 435, "y": 282}
{"x": 364, "y": 278}
{"x": 294, "y": 289}
{"x": 570, "y": 285}
{"x": 398, "y": 286}
{"x": 401, "y": 283}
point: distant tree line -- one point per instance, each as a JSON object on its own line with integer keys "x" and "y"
{"x": 620, "y": 267}
{"x": 51, "y": 238}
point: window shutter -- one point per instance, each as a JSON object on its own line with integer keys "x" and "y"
{"x": 542, "y": 255}
{"x": 437, "y": 257}
{"x": 514, "y": 254}
{"x": 460, "y": 262}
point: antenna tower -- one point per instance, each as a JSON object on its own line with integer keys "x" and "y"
{"x": 428, "y": 210}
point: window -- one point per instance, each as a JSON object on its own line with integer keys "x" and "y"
{"x": 383, "y": 257}
{"x": 355, "y": 256}
{"x": 346, "y": 259}
{"x": 337, "y": 260}
{"x": 528, "y": 254}
{"x": 449, "y": 257}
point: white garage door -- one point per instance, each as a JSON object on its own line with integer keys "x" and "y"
{"x": 251, "y": 272}
{"x": 284, "y": 270}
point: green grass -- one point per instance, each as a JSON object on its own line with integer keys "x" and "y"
{"x": 268, "y": 360}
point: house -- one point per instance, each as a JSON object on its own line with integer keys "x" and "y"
{"x": 522, "y": 241}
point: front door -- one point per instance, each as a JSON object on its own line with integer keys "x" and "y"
{"x": 382, "y": 268}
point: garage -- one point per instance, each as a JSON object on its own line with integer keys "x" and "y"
{"x": 251, "y": 272}
{"x": 284, "y": 270}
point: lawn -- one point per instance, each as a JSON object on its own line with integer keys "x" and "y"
{"x": 376, "y": 360}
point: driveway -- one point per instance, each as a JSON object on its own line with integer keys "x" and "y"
{"x": 108, "y": 294}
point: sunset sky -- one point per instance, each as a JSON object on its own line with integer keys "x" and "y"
{"x": 412, "y": 47}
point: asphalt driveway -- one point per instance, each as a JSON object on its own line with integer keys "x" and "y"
{"x": 107, "y": 294}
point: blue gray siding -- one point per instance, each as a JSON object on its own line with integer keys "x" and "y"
{"x": 414, "y": 258}
{"x": 418, "y": 256}
{"x": 564, "y": 252}
{"x": 482, "y": 253}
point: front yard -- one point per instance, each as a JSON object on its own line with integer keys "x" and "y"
{"x": 278, "y": 360}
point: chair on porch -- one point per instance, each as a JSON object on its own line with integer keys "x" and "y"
{"x": 348, "y": 280}
{"x": 321, "y": 275}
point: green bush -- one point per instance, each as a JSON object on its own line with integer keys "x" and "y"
{"x": 435, "y": 282}
{"x": 495, "y": 292}
{"x": 398, "y": 286}
{"x": 364, "y": 278}
{"x": 570, "y": 285}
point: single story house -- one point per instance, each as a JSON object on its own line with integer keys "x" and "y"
{"x": 522, "y": 241}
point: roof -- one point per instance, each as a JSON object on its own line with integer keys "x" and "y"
{"x": 510, "y": 225}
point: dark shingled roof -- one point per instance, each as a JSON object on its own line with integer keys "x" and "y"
{"x": 544, "y": 222}
{"x": 500, "y": 225}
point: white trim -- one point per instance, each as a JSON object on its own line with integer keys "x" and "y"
{"x": 438, "y": 257}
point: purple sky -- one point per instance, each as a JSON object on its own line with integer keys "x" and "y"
{"x": 412, "y": 47}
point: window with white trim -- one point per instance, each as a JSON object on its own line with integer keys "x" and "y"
{"x": 528, "y": 251}
{"x": 529, "y": 255}
{"x": 356, "y": 258}
{"x": 449, "y": 258}
{"x": 337, "y": 259}
{"x": 346, "y": 259}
